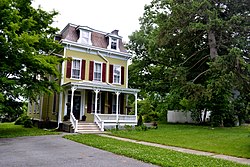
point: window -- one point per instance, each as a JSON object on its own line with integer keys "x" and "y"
{"x": 117, "y": 74}
{"x": 98, "y": 72}
{"x": 37, "y": 106}
{"x": 85, "y": 37}
{"x": 76, "y": 65}
{"x": 114, "y": 104}
{"x": 98, "y": 103}
{"x": 114, "y": 43}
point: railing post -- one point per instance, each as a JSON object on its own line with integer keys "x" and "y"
{"x": 76, "y": 127}
{"x": 102, "y": 129}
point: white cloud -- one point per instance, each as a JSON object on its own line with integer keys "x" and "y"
{"x": 102, "y": 15}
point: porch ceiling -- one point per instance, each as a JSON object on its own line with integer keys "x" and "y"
{"x": 100, "y": 86}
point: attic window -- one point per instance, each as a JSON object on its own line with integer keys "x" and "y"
{"x": 85, "y": 37}
{"x": 114, "y": 43}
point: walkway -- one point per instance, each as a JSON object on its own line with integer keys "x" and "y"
{"x": 55, "y": 151}
{"x": 184, "y": 150}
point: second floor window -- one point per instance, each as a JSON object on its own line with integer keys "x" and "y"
{"x": 76, "y": 68}
{"x": 97, "y": 72}
{"x": 117, "y": 74}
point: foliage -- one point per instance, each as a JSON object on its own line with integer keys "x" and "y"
{"x": 20, "y": 120}
{"x": 149, "y": 154}
{"x": 228, "y": 141}
{"x": 194, "y": 55}
{"x": 9, "y": 130}
{"x": 27, "y": 65}
{"x": 27, "y": 123}
{"x": 140, "y": 122}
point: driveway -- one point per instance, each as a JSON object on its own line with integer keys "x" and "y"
{"x": 59, "y": 152}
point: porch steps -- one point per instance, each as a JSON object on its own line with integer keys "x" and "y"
{"x": 88, "y": 128}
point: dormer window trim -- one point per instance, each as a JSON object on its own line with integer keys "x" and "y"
{"x": 113, "y": 44}
{"x": 85, "y": 37}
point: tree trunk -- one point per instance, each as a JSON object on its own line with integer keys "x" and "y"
{"x": 212, "y": 44}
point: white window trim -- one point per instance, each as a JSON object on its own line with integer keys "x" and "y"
{"x": 114, "y": 74}
{"x": 117, "y": 43}
{"x": 80, "y": 76}
{"x": 93, "y": 103}
{"x": 114, "y": 98}
{"x": 94, "y": 71}
{"x": 81, "y": 36}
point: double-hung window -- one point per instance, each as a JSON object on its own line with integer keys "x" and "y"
{"x": 114, "y": 104}
{"x": 85, "y": 37}
{"x": 76, "y": 68}
{"x": 114, "y": 43}
{"x": 117, "y": 74}
{"x": 97, "y": 71}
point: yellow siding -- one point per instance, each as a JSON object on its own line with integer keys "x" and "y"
{"x": 90, "y": 57}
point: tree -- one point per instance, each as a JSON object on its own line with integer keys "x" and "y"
{"x": 27, "y": 44}
{"x": 194, "y": 53}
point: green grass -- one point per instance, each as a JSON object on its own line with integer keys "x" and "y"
{"x": 9, "y": 130}
{"x": 229, "y": 141}
{"x": 149, "y": 154}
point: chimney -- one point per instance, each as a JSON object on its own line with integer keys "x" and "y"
{"x": 115, "y": 32}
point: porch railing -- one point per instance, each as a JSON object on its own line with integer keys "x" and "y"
{"x": 99, "y": 122}
{"x": 74, "y": 122}
{"x": 121, "y": 118}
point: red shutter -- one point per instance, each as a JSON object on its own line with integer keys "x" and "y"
{"x": 69, "y": 64}
{"x": 122, "y": 75}
{"x": 91, "y": 70}
{"x": 121, "y": 103}
{"x": 110, "y": 73}
{"x": 89, "y": 104}
{"x": 83, "y": 70}
{"x": 103, "y": 72}
{"x": 110, "y": 103}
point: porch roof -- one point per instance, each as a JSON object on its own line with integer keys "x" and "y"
{"x": 100, "y": 86}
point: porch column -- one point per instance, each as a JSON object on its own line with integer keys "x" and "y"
{"x": 72, "y": 98}
{"x": 96, "y": 95}
{"x": 60, "y": 109}
{"x": 135, "y": 105}
{"x": 117, "y": 103}
{"x": 65, "y": 102}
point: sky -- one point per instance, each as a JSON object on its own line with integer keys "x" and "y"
{"x": 103, "y": 15}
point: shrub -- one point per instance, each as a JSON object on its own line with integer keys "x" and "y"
{"x": 140, "y": 122}
{"x": 141, "y": 128}
{"x": 27, "y": 123}
{"x": 20, "y": 120}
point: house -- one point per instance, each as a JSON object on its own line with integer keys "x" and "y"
{"x": 94, "y": 81}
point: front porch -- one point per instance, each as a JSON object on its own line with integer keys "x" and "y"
{"x": 102, "y": 104}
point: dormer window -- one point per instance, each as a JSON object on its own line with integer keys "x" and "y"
{"x": 85, "y": 37}
{"x": 114, "y": 43}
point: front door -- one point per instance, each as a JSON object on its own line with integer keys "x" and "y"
{"x": 76, "y": 106}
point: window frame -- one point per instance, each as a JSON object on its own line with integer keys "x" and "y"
{"x": 114, "y": 98}
{"x": 72, "y": 68}
{"x": 94, "y": 79}
{"x": 114, "y": 74}
{"x": 99, "y": 101}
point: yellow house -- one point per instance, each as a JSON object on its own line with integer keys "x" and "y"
{"x": 94, "y": 80}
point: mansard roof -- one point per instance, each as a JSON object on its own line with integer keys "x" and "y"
{"x": 98, "y": 38}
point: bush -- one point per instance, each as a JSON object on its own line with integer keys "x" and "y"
{"x": 140, "y": 122}
{"x": 24, "y": 120}
{"x": 27, "y": 123}
{"x": 141, "y": 128}
{"x": 20, "y": 120}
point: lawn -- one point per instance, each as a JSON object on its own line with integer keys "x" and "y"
{"x": 149, "y": 154}
{"x": 229, "y": 141}
{"x": 8, "y": 130}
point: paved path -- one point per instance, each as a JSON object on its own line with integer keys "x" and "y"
{"x": 184, "y": 150}
{"x": 55, "y": 151}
